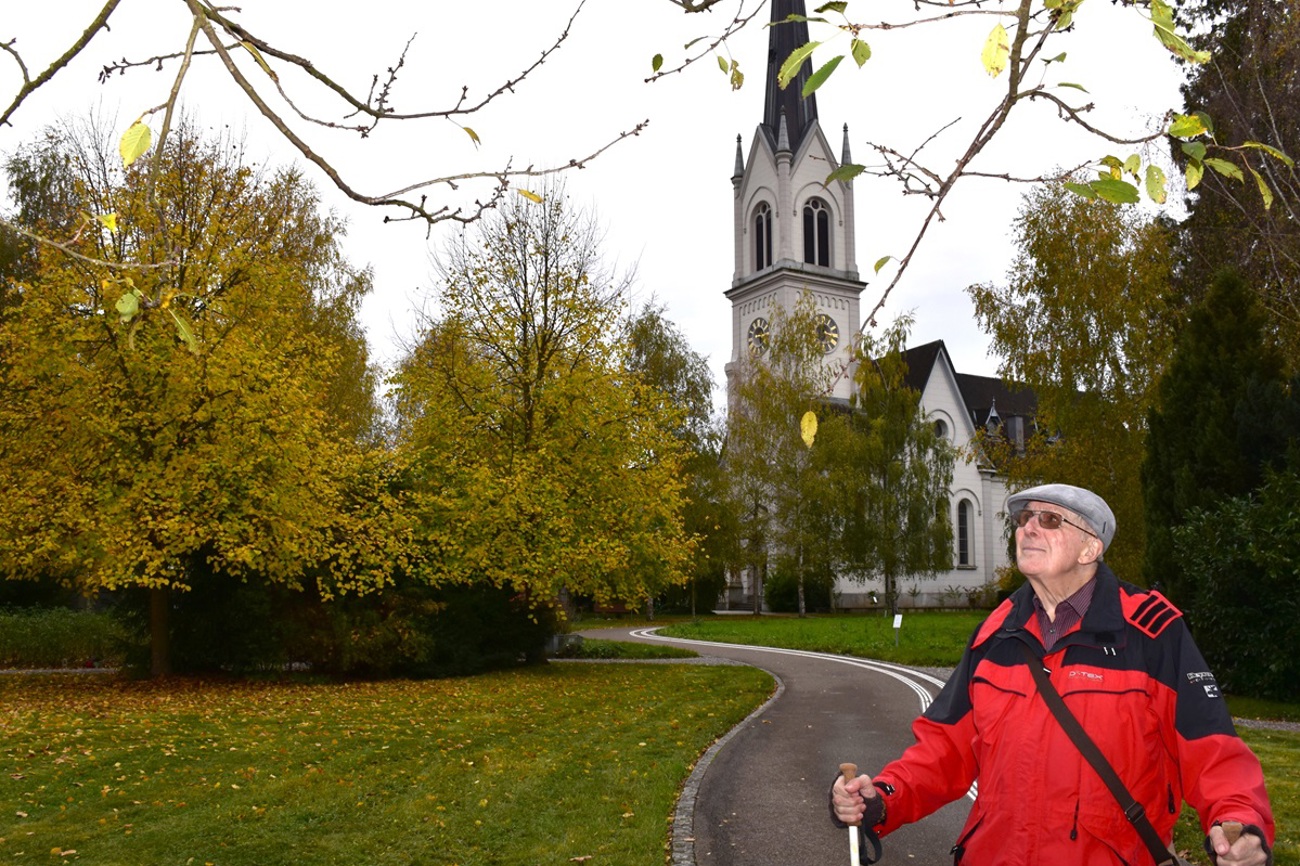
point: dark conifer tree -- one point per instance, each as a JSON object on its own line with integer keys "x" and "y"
{"x": 1221, "y": 420}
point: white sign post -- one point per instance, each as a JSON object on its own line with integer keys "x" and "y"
{"x": 898, "y": 626}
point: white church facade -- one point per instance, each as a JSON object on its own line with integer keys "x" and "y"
{"x": 794, "y": 236}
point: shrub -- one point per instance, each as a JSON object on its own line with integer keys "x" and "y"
{"x": 223, "y": 625}
{"x": 781, "y": 591}
{"x": 1240, "y": 561}
{"x": 59, "y": 638}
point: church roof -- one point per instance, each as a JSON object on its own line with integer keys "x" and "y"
{"x": 983, "y": 395}
{"x": 986, "y": 394}
{"x": 800, "y": 113}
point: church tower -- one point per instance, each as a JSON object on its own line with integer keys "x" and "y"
{"x": 793, "y": 234}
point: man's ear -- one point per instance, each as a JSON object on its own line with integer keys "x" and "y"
{"x": 1092, "y": 552}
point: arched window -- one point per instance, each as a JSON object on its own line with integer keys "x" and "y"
{"x": 817, "y": 233}
{"x": 965, "y": 534}
{"x": 762, "y": 236}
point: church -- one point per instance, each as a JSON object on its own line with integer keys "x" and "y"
{"x": 794, "y": 236}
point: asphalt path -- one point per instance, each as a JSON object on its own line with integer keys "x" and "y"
{"x": 759, "y": 796}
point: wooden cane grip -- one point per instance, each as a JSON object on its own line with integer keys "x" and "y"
{"x": 848, "y": 771}
{"x": 1231, "y": 831}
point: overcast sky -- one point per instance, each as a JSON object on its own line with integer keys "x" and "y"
{"x": 665, "y": 197}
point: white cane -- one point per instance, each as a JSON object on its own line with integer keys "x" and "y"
{"x": 848, "y": 771}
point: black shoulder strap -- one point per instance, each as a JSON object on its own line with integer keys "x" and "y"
{"x": 1133, "y": 810}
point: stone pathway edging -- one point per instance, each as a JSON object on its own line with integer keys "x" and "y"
{"x": 683, "y": 833}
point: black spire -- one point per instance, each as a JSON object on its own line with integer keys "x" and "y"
{"x": 799, "y": 113}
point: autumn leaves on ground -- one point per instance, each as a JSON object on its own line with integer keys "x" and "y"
{"x": 545, "y": 765}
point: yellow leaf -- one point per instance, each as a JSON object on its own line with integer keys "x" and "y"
{"x": 185, "y": 332}
{"x": 135, "y": 143}
{"x": 261, "y": 61}
{"x": 530, "y": 195}
{"x": 107, "y": 220}
{"x": 1264, "y": 191}
{"x": 473, "y": 136}
{"x": 997, "y": 48}
{"x": 808, "y": 428}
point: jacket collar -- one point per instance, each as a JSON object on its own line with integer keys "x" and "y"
{"x": 1103, "y": 624}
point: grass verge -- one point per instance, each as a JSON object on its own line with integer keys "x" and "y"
{"x": 932, "y": 639}
{"x": 542, "y": 765}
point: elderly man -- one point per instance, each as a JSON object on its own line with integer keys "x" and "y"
{"x": 1128, "y": 670}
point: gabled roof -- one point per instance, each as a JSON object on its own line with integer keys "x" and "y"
{"x": 800, "y": 112}
{"x": 984, "y": 394}
{"x": 981, "y": 394}
{"x": 920, "y": 362}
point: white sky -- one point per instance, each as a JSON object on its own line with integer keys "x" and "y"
{"x": 665, "y": 196}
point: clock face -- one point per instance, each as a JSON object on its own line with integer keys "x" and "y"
{"x": 828, "y": 333}
{"x": 758, "y": 335}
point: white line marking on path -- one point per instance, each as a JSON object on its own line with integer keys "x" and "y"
{"x": 904, "y": 675}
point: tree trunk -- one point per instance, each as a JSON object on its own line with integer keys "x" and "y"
{"x": 760, "y": 578}
{"x": 160, "y": 648}
{"x": 803, "y": 604}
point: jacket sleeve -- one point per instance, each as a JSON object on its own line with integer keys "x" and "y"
{"x": 1220, "y": 776}
{"x": 940, "y": 767}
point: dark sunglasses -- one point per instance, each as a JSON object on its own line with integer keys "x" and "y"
{"x": 1047, "y": 520}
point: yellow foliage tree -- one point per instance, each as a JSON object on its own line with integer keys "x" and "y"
{"x": 1086, "y": 321}
{"x": 186, "y": 410}
{"x": 540, "y": 460}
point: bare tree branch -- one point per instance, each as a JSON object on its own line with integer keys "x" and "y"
{"x": 31, "y": 85}
{"x": 378, "y": 109}
{"x": 68, "y": 249}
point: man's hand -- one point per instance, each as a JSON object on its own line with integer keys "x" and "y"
{"x": 847, "y": 798}
{"x": 1246, "y": 850}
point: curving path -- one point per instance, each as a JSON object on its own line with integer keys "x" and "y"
{"x": 759, "y": 796}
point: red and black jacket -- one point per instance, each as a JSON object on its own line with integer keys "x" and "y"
{"x": 1134, "y": 678}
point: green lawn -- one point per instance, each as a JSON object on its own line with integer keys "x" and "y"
{"x": 543, "y": 765}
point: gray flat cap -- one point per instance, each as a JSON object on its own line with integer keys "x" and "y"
{"x": 1088, "y": 505}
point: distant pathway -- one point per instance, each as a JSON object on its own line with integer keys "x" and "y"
{"x": 758, "y": 797}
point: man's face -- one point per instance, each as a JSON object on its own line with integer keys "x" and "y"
{"x": 1049, "y": 553}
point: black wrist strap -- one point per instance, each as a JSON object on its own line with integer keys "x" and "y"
{"x": 1133, "y": 810}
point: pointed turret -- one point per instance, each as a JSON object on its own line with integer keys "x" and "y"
{"x": 783, "y": 38}
{"x": 740, "y": 162}
{"x": 845, "y": 159}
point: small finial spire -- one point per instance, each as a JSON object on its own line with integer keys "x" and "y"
{"x": 845, "y": 159}
{"x": 782, "y": 136}
{"x": 740, "y": 160}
